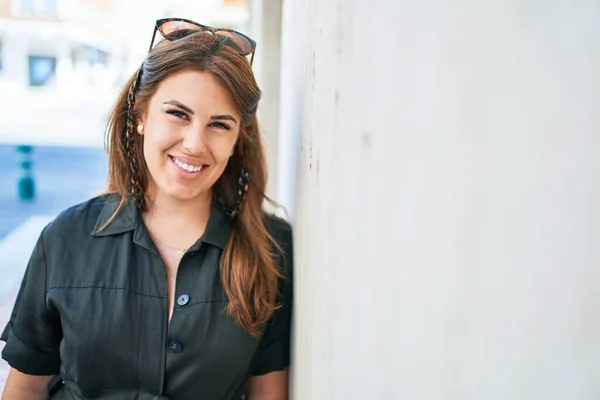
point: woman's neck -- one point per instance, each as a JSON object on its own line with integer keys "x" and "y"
{"x": 175, "y": 222}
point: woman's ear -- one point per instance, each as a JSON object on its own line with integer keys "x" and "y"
{"x": 140, "y": 126}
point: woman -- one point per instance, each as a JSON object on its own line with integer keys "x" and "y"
{"x": 175, "y": 284}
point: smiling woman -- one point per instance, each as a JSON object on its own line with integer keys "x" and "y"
{"x": 191, "y": 137}
{"x": 175, "y": 284}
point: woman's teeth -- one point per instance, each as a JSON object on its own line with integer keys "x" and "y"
{"x": 188, "y": 168}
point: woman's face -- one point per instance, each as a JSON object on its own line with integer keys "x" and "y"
{"x": 190, "y": 129}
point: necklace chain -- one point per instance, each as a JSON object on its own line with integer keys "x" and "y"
{"x": 179, "y": 251}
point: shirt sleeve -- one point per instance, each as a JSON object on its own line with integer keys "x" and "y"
{"x": 274, "y": 351}
{"x": 33, "y": 333}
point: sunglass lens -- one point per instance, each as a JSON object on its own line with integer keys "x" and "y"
{"x": 178, "y": 29}
{"x": 237, "y": 41}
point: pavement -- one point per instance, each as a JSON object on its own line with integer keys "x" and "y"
{"x": 64, "y": 176}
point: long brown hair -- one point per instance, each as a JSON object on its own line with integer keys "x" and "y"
{"x": 248, "y": 269}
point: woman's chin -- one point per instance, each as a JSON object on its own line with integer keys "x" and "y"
{"x": 176, "y": 192}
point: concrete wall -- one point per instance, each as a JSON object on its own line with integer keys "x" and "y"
{"x": 265, "y": 29}
{"x": 446, "y": 199}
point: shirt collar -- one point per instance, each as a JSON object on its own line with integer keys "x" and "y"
{"x": 128, "y": 219}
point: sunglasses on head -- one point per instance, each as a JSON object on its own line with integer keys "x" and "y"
{"x": 177, "y": 28}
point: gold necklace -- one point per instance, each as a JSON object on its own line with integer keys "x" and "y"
{"x": 179, "y": 251}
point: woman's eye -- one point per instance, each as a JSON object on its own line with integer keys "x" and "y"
{"x": 177, "y": 113}
{"x": 220, "y": 125}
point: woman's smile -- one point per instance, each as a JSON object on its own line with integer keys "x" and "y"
{"x": 187, "y": 168}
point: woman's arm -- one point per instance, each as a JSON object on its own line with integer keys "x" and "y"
{"x": 269, "y": 379}
{"x": 271, "y": 386}
{"x": 33, "y": 335}
{"x": 21, "y": 386}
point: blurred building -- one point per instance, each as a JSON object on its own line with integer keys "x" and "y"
{"x": 59, "y": 44}
{"x": 63, "y": 44}
{"x": 66, "y": 59}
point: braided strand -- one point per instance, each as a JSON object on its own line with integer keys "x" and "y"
{"x": 136, "y": 182}
{"x": 243, "y": 182}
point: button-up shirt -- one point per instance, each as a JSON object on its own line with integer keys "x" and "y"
{"x": 93, "y": 308}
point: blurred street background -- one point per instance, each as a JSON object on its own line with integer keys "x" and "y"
{"x": 439, "y": 162}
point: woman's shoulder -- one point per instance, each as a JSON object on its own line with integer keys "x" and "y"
{"x": 279, "y": 228}
{"x": 80, "y": 218}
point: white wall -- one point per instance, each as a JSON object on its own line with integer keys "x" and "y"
{"x": 265, "y": 29}
{"x": 447, "y": 225}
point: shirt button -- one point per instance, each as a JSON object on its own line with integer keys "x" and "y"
{"x": 183, "y": 299}
{"x": 175, "y": 347}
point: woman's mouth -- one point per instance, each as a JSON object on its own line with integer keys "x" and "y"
{"x": 186, "y": 168}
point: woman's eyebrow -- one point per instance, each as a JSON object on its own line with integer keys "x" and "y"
{"x": 223, "y": 116}
{"x": 179, "y": 104}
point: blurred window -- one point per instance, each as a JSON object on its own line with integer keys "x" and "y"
{"x": 39, "y": 7}
{"x": 41, "y": 70}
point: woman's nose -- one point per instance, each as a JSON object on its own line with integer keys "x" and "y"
{"x": 194, "y": 141}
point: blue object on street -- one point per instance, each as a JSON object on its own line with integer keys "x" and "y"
{"x": 25, "y": 183}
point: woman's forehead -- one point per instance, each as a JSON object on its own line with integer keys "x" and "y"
{"x": 197, "y": 90}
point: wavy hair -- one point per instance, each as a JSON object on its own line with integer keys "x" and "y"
{"x": 249, "y": 272}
